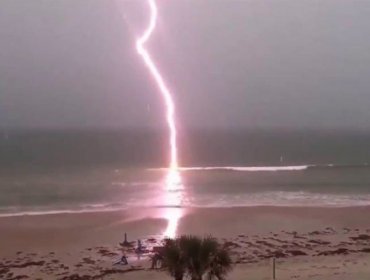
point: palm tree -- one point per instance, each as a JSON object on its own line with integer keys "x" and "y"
{"x": 220, "y": 265}
{"x": 195, "y": 257}
{"x": 173, "y": 259}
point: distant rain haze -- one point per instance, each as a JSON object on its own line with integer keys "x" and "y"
{"x": 240, "y": 64}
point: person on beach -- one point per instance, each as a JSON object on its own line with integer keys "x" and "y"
{"x": 125, "y": 243}
{"x": 123, "y": 260}
{"x": 157, "y": 260}
{"x": 139, "y": 248}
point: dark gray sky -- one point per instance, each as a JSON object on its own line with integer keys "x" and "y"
{"x": 252, "y": 63}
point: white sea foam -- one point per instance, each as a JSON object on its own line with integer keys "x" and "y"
{"x": 241, "y": 168}
{"x": 267, "y": 168}
{"x": 283, "y": 198}
{"x": 340, "y": 188}
{"x": 249, "y": 168}
{"x": 273, "y": 198}
{"x": 37, "y": 211}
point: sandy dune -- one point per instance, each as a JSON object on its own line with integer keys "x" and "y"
{"x": 308, "y": 243}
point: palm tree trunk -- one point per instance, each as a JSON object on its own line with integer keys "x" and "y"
{"x": 179, "y": 276}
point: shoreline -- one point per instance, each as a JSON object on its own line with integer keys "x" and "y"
{"x": 109, "y": 226}
{"x": 125, "y": 209}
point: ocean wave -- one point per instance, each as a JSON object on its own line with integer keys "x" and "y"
{"x": 268, "y": 168}
{"x": 337, "y": 166}
{"x": 37, "y": 211}
{"x": 272, "y": 198}
{"x": 239, "y": 168}
{"x": 284, "y": 198}
{"x": 250, "y": 168}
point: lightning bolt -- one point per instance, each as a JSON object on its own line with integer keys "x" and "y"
{"x": 165, "y": 92}
{"x": 173, "y": 180}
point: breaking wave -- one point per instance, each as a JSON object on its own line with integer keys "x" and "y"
{"x": 274, "y": 198}
{"x": 269, "y": 168}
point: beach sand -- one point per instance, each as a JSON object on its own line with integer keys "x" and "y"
{"x": 308, "y": 243}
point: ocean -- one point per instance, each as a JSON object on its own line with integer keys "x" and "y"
{"x": 56, "y": 171}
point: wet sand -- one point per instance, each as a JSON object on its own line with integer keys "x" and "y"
{"x": 309, "y": 243}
